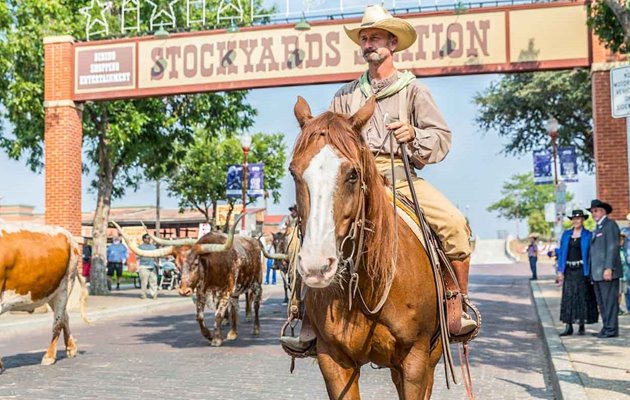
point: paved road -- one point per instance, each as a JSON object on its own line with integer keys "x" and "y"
{"x": 163, "y": 355}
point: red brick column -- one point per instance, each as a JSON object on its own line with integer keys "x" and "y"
{"x": 611, "y": 149}
{"x": 62, "y": 135}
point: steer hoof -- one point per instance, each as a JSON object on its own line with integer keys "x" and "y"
{"x": 248, "y": 318}
{"x": 216, "y": 342}
{"x": 232, "y": 335}
{"x": 71, "y": 349}
{"x": 48, "y": 360}
{"x": 256, "y": 330}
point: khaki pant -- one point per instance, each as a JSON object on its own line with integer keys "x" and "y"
{"x": 148, "y": 277}
{"x": 443, "y": 217}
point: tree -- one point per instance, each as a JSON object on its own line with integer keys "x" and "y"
{"x": 610, "y": 20}
{"x": 524, "y": 199}
{"x": 121, "y": 138}
{"x": 518, "y": 106}
{"x": 200, "y": 179}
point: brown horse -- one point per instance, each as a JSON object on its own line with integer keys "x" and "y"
{"x": 356, "y": 254}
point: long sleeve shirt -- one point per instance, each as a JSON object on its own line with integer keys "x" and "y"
{"x": 433, "y": 137}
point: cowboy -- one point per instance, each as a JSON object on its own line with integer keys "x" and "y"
{"x": 415, "y": 121}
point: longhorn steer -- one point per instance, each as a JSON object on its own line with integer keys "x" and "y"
{"x": 38, "y": 265}
{"x": 221, "y": 265}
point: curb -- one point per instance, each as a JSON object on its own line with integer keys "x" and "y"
{"x": 45, "y": 320}
{"x": 508, "y": 251}
{"x": 565, "y": 380}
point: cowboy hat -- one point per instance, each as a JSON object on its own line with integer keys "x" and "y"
{"x": 600, "y": 204}
{"x": 377, "y": 17}
{"x": 577, "y": 213}
{"x": 534, "y": 235}
{"x": 293, "y": 208}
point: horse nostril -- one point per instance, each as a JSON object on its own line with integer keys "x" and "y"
{"x": 331, "y": 263}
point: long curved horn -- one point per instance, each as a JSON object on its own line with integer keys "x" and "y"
{"x": 216, "y": 248}
{"x": 169, "y": 242}
{"x": 163, "y": 252}
{"x": 275, "y": 256}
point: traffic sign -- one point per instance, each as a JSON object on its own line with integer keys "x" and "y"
{"x": 620, "y": 91}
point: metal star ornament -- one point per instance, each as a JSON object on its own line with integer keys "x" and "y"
{"x": 159, "y": 11}
{"x": 96, "y": 16}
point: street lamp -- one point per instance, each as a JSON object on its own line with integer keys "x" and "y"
{"x": 246, "y": 142}
{"x": 559, "y": 189}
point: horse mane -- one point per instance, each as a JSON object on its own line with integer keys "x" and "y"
{"x": 380, "y": 243}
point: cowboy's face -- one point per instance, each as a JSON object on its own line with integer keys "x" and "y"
{"x": 598, "y": 213}
{"x": 377, "y": 44}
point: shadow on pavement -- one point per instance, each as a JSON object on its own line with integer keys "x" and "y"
{"x": 534, "y": 392}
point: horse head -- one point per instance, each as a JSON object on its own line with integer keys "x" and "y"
{"x": 336, "y": 184}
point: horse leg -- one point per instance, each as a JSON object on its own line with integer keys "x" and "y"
{"x": 341, "y": 382}
{"x": 222, "y": 307}
{"x": 233, "y": 307}
{"x": 257, "y": 297}
{"x": 416, "y": 374}
{"x": 397, "y": 379}
{"x": 434, "y": 359}
{"x": 286, "y": 289}
{"x": 201, "y": 306}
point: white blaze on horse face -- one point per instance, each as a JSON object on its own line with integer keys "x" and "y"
{"x": 318, "y": 255}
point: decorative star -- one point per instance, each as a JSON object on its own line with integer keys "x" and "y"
{"x": 95, "y": 14}
{"x": 130, "y": 7}
{"x": 225, "y": 6}
{"x": 159, "y": 12}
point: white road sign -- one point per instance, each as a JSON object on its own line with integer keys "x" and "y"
{"x": 620, "y": 91}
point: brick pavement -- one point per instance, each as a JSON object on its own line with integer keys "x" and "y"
{"x": 161, "y": 354}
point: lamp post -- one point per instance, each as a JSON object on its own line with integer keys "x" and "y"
{"x": 246, "y": 142}
{"x": 559, "y": 189}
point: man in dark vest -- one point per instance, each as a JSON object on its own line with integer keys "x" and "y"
{"x": 606, "y": 267}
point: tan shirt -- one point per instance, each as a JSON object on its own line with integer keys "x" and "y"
{"x": 433, "y": 137}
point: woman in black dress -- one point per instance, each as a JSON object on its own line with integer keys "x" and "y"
{"x": 578, "y": 297}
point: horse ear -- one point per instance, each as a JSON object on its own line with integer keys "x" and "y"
{"x": 302, "y": 111}
{"x": 361, "y": 117}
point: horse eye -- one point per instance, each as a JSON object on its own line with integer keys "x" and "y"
{"x": 353, "y": 177}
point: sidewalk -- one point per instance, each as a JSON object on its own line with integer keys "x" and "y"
{"x": 582, "y": 367}
{"x": 126, "y": 301}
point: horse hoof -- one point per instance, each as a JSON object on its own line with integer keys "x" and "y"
{"x": 256, "y": 331}
{"x": 216, "y": 342}
{"x": 248, "y": 319}
{"x": 231, "y": 335}
{"x": 48, "y": 360}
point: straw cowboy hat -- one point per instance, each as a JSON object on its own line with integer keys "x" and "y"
{"x": 377, "y": 17}
{"x": 534, "y": 235}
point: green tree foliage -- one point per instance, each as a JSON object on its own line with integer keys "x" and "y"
{"x": 518, "y": 105}
{"x": 199, "y": 181}
{"x": 523, "y": 199}
{"x": 610, "y": 20}
{"x": 122, "y": 138}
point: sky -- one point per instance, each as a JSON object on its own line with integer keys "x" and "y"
{"x": 471, "y": 176}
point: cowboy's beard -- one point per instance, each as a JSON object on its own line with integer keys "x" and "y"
{"x": 376, "y": 56}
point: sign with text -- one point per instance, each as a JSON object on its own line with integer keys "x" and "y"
{"x": 542, "y": 167}
{"x": 620, "y": 91}
{"x": 502, "y": 39}
{"x": 106, "y": 67}
{"x": 568, "y": 164}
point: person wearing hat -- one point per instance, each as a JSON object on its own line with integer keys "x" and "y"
{"x": 578, "y": 304}
{"x": 406, "y": 109}
{"x": 605, "y": 265}
{"x": 147, "y": 270}
{"x": 532, "y": 255}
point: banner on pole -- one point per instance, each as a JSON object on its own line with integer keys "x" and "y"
{"x": 568, "y": 164}
{"x": 234, "y": 181}
{"x": 542, "y": 167}
{"x": 255, "y": 176}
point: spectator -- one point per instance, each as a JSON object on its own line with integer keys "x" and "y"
{"x": 87, "y": 259}
{"x": 116, "y": 257}
{"x": 578, "y": 302}
{"x": 290, "y": 221}
{"x": 270, "y": 271}
{"x": 606, "y": 267}
{"x": 532, "y": 254}
{"x": 147, "y": 270}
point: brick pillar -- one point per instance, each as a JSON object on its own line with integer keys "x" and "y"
{"x": 609, "y": 136}
{"x": 63, "y": 133}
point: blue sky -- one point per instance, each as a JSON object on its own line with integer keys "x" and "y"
{"x": 471, "y": 175}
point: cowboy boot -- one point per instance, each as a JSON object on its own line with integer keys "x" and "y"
{"x": 568, "y": 330}
{"x": 461, "y": 269}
